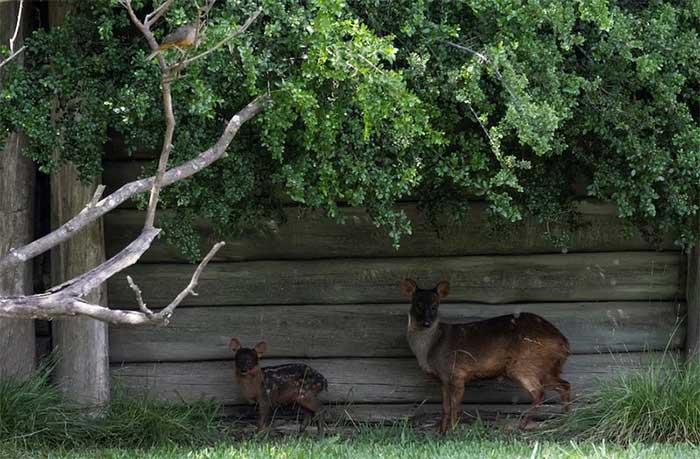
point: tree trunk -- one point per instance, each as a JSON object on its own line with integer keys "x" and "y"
{"x": 82, "y": 369}
{"x": 17, "y": 342}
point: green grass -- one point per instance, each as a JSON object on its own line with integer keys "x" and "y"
{"x": 34, "y": 413}
{"x": 660, "y": 403}
{"x": 381, "y": 443}
{"x": 651, "y": 413}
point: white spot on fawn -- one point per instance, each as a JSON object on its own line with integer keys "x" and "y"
{"x": 530, "y": 340}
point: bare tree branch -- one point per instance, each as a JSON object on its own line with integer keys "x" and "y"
{"x": 156, "y": 14}
{"x": 127, "y": 191}
{"x": 19, "y": 20}
{"x": 12, "y": 56}
{"x": 14, "y": 53}
{"x": 139, "y": 297}
{"x": 129, "y": 255}
{"x": 482, "y": 57}
{"x": 167, "y": 312}
{"x": 167, "y": 108}
{"x": 98, "y": 194}
{"x": 237, "y": 32}
{"x": 63, "y": 303}
{"x": 146, "y": 32}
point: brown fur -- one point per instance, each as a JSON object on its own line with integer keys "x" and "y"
{"x": 522, "y": 347}
{"x": 280, "y": 385}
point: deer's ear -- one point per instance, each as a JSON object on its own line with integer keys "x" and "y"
{"x": 261, "y": 348}
{"x": 408, "y": 288}
{"x": 234, "y": 345}
{"x": 442, "y": 289}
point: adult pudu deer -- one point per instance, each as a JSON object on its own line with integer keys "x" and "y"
{"x": 270, "y": 387}
{"x": 523, "y": 347}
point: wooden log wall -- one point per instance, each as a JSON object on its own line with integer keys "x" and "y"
{"x": 328, "y": 295}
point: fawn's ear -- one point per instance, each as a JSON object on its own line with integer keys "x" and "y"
{"x": 408, "y": 288}
{"x": 442, "y": 289}
{"x": 261, "y": 348}
{"x": 234, "y": 344}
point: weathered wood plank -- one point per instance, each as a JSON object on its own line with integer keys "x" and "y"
{"x": 421, "y": 414}
{"x": 361, "y": 380}
{"x": 309, "y": 234}
{"x": 16, "y": 219}
{"x": 625, "y": 276}
{"x": 379, "y": 330}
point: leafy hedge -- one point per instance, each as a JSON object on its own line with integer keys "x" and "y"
{"x": 509, "y": 100}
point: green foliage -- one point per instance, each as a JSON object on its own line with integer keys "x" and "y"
{"x": 512, "y": 101}
{"x": 656, "y": 404}
{"x": 34, "y": 413}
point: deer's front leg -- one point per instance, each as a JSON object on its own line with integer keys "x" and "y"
{"x": 456, "y": 395}
{"x": 446, "y": 403}
{"x": 264, "y": 411}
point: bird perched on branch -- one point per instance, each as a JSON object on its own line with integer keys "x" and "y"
{"x": 182, "y": 36}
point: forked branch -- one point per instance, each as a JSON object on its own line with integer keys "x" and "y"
{"x": 228, "y": 38}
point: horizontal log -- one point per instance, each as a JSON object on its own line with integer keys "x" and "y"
{"x": 361, "y": 380}
{"x": 628, "y": 276}
{"x": 309, "y": 235}
{"x": 421, "y": 414}
{"x": 379, "y": 330}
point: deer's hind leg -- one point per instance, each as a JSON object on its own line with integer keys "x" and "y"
{"x": 314, "y": 409}
{"x": 563, "y": 388}
{"x": 531, "y": 383}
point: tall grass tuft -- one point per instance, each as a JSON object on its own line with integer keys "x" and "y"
{"x": 34, "y": 413}
{"x": 144, "y": 422}
{"x": 660, "y": 403}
